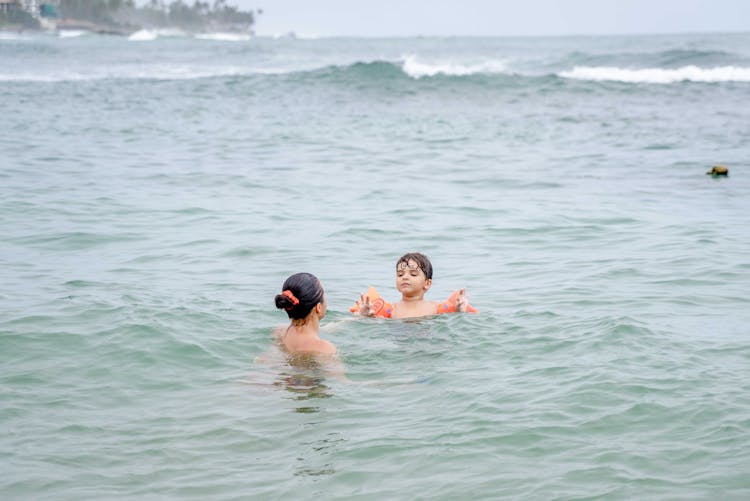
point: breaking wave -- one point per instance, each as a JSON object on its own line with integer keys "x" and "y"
{"x": 418, "y": 69}
{"x": 407, "y": 67}
{"x": 689, "y": 73}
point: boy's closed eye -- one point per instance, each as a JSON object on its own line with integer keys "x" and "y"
{"x": 413, "y": 273}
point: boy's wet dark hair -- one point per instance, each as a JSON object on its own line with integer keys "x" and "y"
{"x": 424, "y": 264}
{"x": 300, "y": 293}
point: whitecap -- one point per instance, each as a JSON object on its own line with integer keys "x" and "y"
{"x": 47, "y": 77}
{"x": 224, "y": 37}
{"x": 4, "y": 35}
{"x": 148, "y": 35}
{"x": 143, "y": 36}
{"x": 659, "y": 75}
{"x": 154, "y": 72}
{"x": 71, "y": 33}
{"x": 417, "y": 69}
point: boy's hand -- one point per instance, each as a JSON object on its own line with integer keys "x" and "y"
{"x": 365, "y": 307}
{"x": 461, "y": 301}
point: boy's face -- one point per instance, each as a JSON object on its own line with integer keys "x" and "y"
{"x": 410, "y": 279}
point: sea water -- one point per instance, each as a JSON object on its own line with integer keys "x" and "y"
{"x": 156, "y": 192}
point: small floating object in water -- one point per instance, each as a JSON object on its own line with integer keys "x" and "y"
{"x": 718, "y": 170}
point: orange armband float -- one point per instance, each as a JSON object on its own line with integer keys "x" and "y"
{"x": 377, "y": 303}
{"x": 385, "y": 310}
{"x": 449, "y": 306}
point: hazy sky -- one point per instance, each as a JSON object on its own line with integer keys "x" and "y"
{"x": 498, "y": 17}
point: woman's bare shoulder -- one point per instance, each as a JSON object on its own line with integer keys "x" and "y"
{"x": 324, "y": 347}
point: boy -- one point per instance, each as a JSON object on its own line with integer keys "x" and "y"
{"x": 413, "y": 280}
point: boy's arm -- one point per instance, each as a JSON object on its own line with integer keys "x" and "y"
{"x": 365, "y": 306}
{"x": 461, "y": 301}
{"x": 458, "y": 302}
{"x": 371, "y": 304}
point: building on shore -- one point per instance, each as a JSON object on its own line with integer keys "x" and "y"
{"x": 31, "y": 6}
{"x": 35, "y": 8}
{"x": 7, "y": 5}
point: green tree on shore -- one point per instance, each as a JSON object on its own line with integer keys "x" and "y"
{"x": 16, "y": 17}
{"x": 98, "y": 11}
{"x": 158, "y": 13}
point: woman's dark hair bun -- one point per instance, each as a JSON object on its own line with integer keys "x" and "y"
{"x": 300, "y": 293}
{"x": 283, "y": 302}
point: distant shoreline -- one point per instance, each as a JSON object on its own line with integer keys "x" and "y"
{"x": 103, "y": 29}
{"x": 97, "y": 17}
{"x": 77, "y": 24}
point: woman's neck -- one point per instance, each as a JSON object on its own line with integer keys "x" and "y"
{"x": 305, "y": 326}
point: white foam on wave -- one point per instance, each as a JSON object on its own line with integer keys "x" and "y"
{"x": 71, "y": 33}
{"x": 143, "y": 36}
{"x": 5, "y": 35}
{"x": 34, "y": 77}
{"x": 149, "y": 35}
{"x": 659, "y": 75}
{"x": 224, "y": 37}
{"x": 161, "y": 72}
{"x": 417, "y": 69}
{"x": 292, "y": 35}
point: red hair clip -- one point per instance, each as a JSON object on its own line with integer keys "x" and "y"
{"x": 291, "y": 297}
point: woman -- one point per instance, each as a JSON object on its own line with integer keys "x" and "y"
{"x": 303, "y": 299}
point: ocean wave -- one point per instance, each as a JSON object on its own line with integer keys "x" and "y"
{"x": 155, "y": 73}
{"x": 71, "y": 33}
{"x": 659, "y": 75}
{"x": 684, "y": 57}
{"x": 291, "y": 35}
{"x": 224, "y": 37}
{"x": 150, "y": 35}
{"x": 418, "y": 69}
{"x": 5, "y": 35}
{"x": 408, "y": 68}
{"x": 362, "y": 70}
{"x": 667, "y": 59}
{"x": 366, "y": 70}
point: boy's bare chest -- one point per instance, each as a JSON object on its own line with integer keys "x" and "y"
{"x": 408, "y": 310}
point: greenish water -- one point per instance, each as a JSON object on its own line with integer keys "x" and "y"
{"x": 154, "y": 196}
